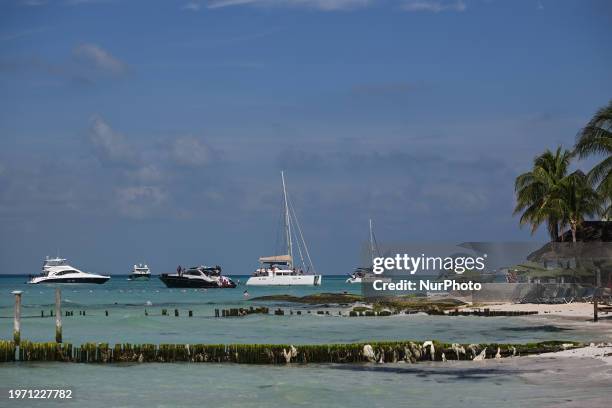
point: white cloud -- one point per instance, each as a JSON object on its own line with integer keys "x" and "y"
{"x": 139, "y": 201}
{"x": 190, "y": 151}
{"x": 323, "y": 5}
{"x": 110, "y": 144}
{"x": 191, "y": 6}
{"x": 433, "y": 6}
{"x": 100, "y": 58}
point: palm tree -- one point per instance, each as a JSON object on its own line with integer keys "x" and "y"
{"x": 576, "y": 200}
{"x": 535, "y": 192}
{"x": 596, "y": 139}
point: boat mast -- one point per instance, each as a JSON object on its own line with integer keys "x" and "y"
{"x": 371, "y": 243}
{"x": 287, "y": 220}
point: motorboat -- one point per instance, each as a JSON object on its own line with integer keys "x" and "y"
{"x": 197, "y": 277}
{"x": 280, "y": 270}
{"x": 140, "y": 272}
{"x": 57, "y": 270}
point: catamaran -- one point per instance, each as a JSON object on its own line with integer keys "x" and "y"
{"x": 57, "y": 270}
{"x": 280, "y": 270}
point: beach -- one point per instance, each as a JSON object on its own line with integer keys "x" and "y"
{"x": 570, "y": 378}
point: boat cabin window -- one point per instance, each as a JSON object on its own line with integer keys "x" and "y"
{"x": 194, "y": 273}
{"x": 66, "y": 272}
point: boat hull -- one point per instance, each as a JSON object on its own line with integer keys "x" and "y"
{"x": 96, "y": 280}
{"x": 174, "y": 281}
{"x": 285, "y": 280}
{"x": 139, "y": 277}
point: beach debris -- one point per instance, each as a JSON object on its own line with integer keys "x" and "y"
{"x": 432, "y": 350}
{"x": 368, "y": 353}
{"x": 481, "y": 356}
{"x": 289, "y": 354}
{"x": 474, "y": 349}
{"x": 458, "y": 349}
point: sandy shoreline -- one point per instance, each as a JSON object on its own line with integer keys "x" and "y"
{"x": 573, "y": 310}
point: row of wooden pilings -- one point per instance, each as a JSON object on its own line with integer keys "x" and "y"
{"x": 379, "y": 352}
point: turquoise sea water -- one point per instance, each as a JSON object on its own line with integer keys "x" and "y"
{"x": 126, "y": 302}
{"x": 490, "y": 384}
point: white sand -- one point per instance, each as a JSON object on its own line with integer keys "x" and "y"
{"x": 602, "y": 352}
{"x": 584, "y": 310}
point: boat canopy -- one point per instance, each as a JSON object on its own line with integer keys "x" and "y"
{"x": 276, "y": 259}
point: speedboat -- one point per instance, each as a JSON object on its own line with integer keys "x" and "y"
{"x": 57, "y": 270}
{"x": 279, "y": 270}
{"x": 140, "y": 272}
{"x": 197, "y": 277}
{"x": 359, "y": 275}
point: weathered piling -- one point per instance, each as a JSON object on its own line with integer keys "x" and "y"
{"x": 176, "y": 313}
{"x": 237, "y": 312}
{"x": 7, "y": 351}
{"x": 58, "y": 315}
{"x": 191, "y": 313}
{"x": 17, "y": 318}
{"x": 490, "y": 313}
{"x": 106, "y": 313}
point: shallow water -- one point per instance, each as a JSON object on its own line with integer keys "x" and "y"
{"x": 517, "y": 382}
{"x": 514, "y": 382}
{"x": 126, "y": 303}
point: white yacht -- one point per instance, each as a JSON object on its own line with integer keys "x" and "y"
{"x": 140, "y": 272}
{"x": 57, "y": 270}
{"x": 280, "y": 270}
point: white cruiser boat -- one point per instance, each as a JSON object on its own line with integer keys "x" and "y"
{"x": 140, "y": 272}
{"x": 280, "y": 270}
{"x": 56, "y": 270}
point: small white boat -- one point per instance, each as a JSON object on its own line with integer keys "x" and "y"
{"x": 57, "y": 270}
{"x": 279, "y": 270}
{"x": 140, "y": 272}
{"x": 366, "y": 274}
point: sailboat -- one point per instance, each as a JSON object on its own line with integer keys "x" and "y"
{"x": 280, "y": 270}
{"x": 362, "y": 274}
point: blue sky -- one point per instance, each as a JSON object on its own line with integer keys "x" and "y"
{"x": 156, "y": 130}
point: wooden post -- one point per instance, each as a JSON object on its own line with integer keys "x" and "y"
{"x": 58, "y": 315}
{"x": 17, "y": 321}
{"x": 595, "y": 308}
